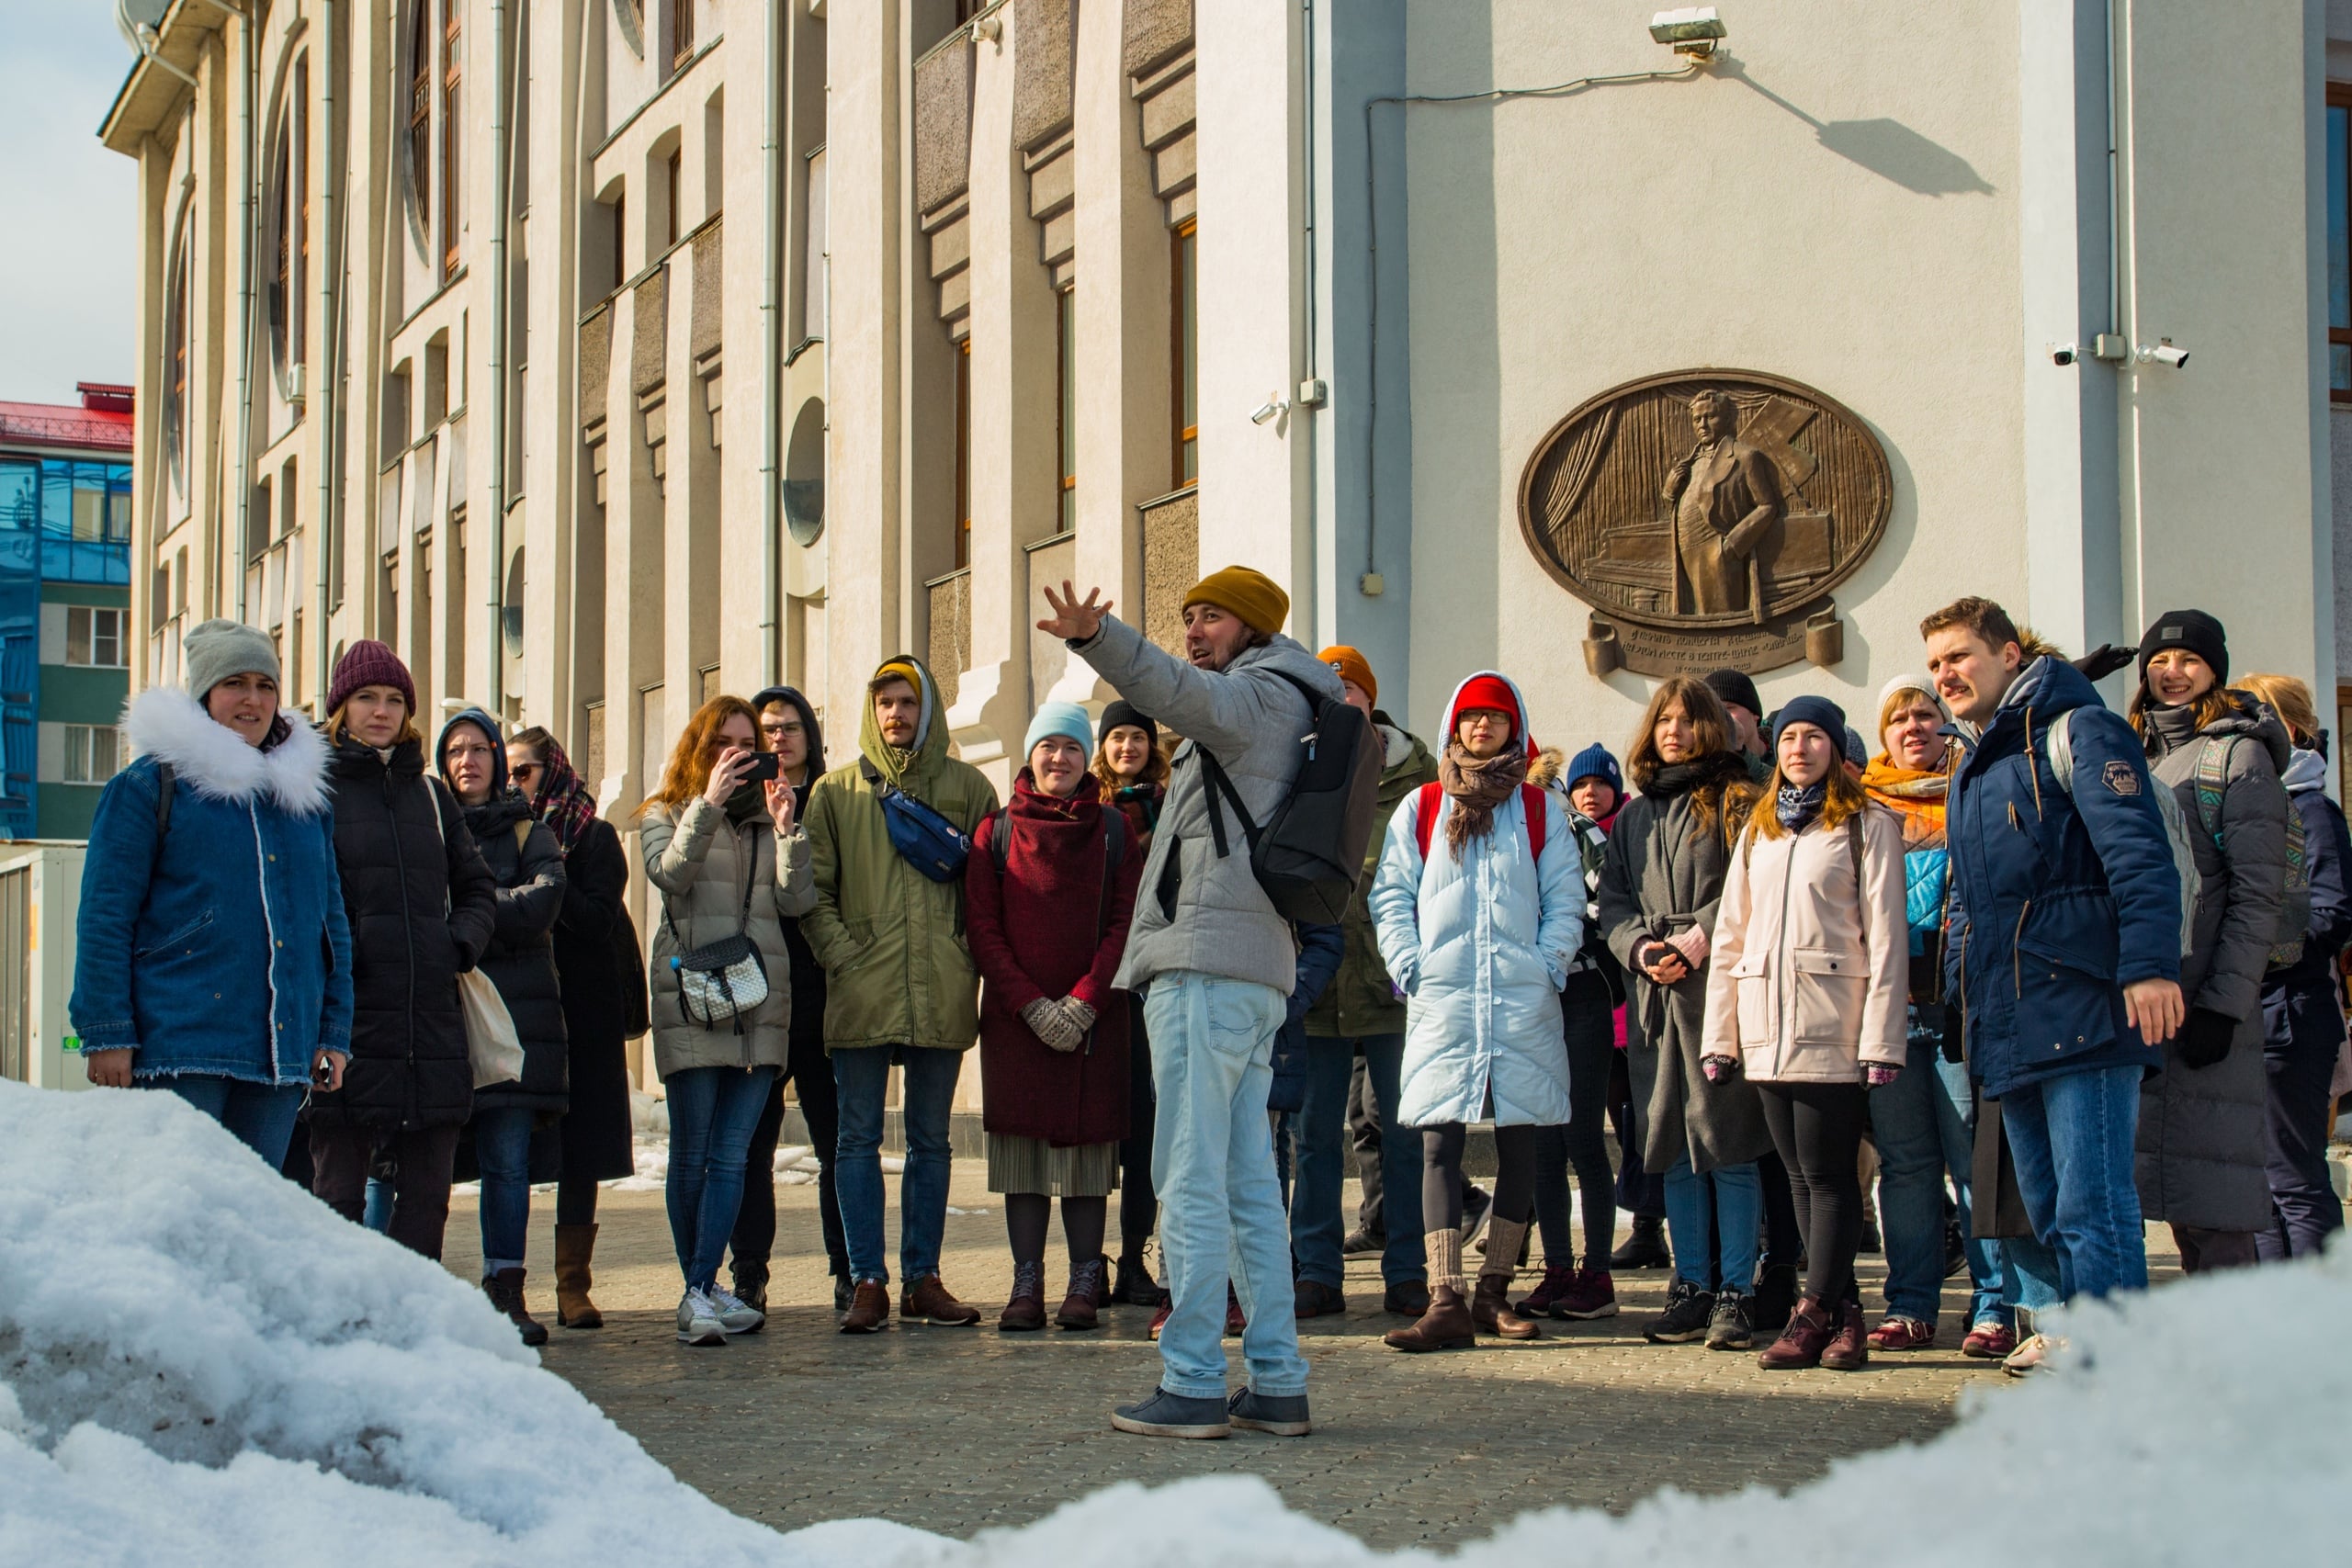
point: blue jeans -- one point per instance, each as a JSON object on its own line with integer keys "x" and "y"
{"x": 1739, "y": 1210}
{"x": 1317, "y": 1225}
{"x": 712, "y": 1113}
{"x": 258, "y": 1115}
{"x": 1212, "y": 1161}
{"x": 1925, "y": 1125}
{"x": 862, "y": 1076}
{"x": 2071, "y": 1138}
{"x": 2028, "y": 1279}
{"x": 503, "y": 1151}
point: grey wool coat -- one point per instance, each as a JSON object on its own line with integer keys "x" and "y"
{"x": 1215, "y": 918}
{"x": 698, "y": 863}
{"x": 2202, "y": 1138}
{"x": 1662, "y": 873}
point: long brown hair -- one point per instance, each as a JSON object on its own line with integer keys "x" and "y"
{"x": 2211, "y": 708}
{"x": 1846, "y": 797}
{"x": 1711, "y": 729}
{"x": 688, "y": 772}
{"x": 1155, "y": 769}
{"x": 2290, "y": 699}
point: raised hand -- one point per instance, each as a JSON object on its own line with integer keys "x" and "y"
{"x": 723, "y": 774}
{"x": 781, "y": 804}
{"x": 1071, "y": 620}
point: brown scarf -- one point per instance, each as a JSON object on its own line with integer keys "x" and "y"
{"x": 1477, "y": 787}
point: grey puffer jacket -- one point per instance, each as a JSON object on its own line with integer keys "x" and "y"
{"x": 1215, "y": 917}
{"x": 697, "y": 861}
{"x": 2201, "y": 1136}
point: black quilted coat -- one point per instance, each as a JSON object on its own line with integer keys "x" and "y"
{"x": 422, "y": 905}
{"x": 529, "y": 870}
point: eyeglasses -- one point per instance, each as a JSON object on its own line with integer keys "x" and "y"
{"x": 524, "y": 771}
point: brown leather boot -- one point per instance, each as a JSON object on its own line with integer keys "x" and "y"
{"x": 574, "y": 1246}
{"x": 869, "y": 1308}
{"x": 1081, "y": 1308}
{"x": 1802, "y": 1338}
{"x": 1490, "y": 1310}
{"x": 1445, "y": 1326}
{"x": 928, "y": 1299}
{"x": 1025, "y": 1313}
{"x": 1849, "y": 1347}
{"x": 506, "y": 1292}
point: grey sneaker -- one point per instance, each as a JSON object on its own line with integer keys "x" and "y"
{"x": 1728, "y": 1327}
{"x": 1689, "y": 1310}
{"x": 1284, "y": 1415}
{"x": 1167, "y": 1414}
{"x": 734, "y": 1315}
{"x": 698, "y": 1321}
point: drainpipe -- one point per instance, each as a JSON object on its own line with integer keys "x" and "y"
{"x": 252, "y": 198}
{"x": 494, "y": 675}
{"x": 772, "y": 353}
{"x": 323, "y": 400}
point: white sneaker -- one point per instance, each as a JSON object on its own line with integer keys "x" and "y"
{"x": 698, "y": 1321}
{"x": 733, "y": 1316}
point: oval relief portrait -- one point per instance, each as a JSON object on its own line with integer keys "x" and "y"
{"x": 1705, "y": 516}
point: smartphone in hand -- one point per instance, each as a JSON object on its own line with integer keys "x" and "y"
{"x": 761, "y": 767}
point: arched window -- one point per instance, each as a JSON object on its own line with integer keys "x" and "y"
{"x": 451, "y": 56}
{"x": 420, "y": 117}
{"x": 175, "y": 366}
{"x": 290, "y": 211}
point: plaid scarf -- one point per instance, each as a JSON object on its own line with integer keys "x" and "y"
{"x": 564, "y": 802}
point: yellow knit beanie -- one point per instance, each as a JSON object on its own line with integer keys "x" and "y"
{"x": 1253, "y": 595}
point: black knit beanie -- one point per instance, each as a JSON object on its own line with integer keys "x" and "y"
{"x": 1119, "y": 713}
{"x": 2194, "y": 630}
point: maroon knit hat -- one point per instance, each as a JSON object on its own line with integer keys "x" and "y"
{"x": 370, "y": 663}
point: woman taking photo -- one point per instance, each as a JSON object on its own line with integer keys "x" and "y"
{"x": 1667, "y": 852}
{"x": 725, "y": 852}
{"x": 528, "y": 865}
{"x": 423, "y": 907}
{"x": 601, "y": 971}
{"x": 2203, "y": 1120}
{"x": 2303, "y": 1021}
{"x": 1133, "y": 773}
{"x": 1808, "y": 972}
{"x": 1479, "y": 908}
{"x": 1050, "y": 888}
{"x": 212, "y": 846}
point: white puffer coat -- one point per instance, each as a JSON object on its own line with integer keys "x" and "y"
{"x": 1481, "y": 946}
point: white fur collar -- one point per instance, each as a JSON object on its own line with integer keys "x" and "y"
{"x": 166, "y": 723}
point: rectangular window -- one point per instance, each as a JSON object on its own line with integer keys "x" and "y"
{"x": 1184, "y": 323}
{"x": 964, "y": 454}
{"x": 450, "y": 73}
{"x": 299, "y": 206}
{"x": 682, "y": 32}
{"x": 2339, "y": 242}
{"x": 676, "y": 172}
{"x": 620, "y": 241}
{"x": 93, "y": 753}
{"x": 1066, "y": 406}
{"x": 93, "y": 637}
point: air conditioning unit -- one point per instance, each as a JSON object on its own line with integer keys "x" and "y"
{"x": 297, "y": 381}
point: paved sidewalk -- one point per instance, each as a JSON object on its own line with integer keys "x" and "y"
{"x": 956, "y": 1431}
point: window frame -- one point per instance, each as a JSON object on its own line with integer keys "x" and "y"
{"x": 91, "y": 617}
{"x": 964, "y": 454}
{"x": 1183, "y": 352}
{"x": 420, "y": 118}
{"x": 1065, "y": 408}
{"x": 82, "y": 753}
{"x": 452, "y": 84}
{"x": 2339, "y": 97}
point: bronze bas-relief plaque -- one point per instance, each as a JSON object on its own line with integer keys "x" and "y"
{"x": 1705, "y": 516}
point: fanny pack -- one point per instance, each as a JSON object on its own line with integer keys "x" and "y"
{"x": 720, "y": 981}
{"x": 924, "y": 838}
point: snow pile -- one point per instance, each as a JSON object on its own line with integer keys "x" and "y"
{"x": 199, "y": 1365}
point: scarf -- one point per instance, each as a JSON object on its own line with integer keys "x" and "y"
{"x": 750, "y": 800}
{"x": 1916, "y": 797}
{"x": 1715, "y": 769}
{"x": 564, "y": 802}
{"x": 1797, "y": 805}
{"x": 1477, "y": 787}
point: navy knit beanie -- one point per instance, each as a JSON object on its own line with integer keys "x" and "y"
{"x": 1594, "y": 761}
{"x": 1819, "y": 712}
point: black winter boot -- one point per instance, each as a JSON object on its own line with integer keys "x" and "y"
{"x": 1646, "y": 1248}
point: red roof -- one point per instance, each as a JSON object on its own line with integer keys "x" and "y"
{"x": 102, "y": 422}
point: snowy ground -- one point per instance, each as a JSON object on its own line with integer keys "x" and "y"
{"x": 201, "y": 1365}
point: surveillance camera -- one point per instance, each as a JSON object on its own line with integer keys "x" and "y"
{"x": 2062, "y": 354}
{"x": 1267, "y": 411}
{"x": 2165, "y": 352}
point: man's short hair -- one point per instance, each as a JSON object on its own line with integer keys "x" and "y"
{"x": 1983, "y": 618}
{"x": 888, "y": 679}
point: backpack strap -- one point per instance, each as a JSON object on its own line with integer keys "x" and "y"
{"x": 165, "y": 779}
{"x": 1531, "y": 804}
{"x": 1219, "y": 783}
{"x": 1425, "y": 815}
{"x": 2214, "y": 754}
{"x": 1001, "y": 842}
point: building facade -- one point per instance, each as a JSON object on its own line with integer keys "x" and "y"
{"x": 65, "y": 640}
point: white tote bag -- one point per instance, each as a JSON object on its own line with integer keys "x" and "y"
{"x": 491, "y": 1043}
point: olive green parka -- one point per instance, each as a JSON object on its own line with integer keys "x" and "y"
{"x": 1360, "y": 1001}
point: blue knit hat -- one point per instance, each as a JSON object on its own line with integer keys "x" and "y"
{"x": 1065, "y": 719}
{"x": 1858, "y": 750}
{"x": 1819, "y": 712}
{"x": 1594, "y": 761}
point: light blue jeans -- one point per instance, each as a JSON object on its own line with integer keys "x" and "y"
{"x": 1212, "y": 1161}
{"x": 2071, "y": 1139}
{"x": 1739, "y": 1210}
{"x": 1925, "y": 1125}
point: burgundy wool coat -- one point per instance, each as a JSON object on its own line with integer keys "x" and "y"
{"x": 1048, "y": 928}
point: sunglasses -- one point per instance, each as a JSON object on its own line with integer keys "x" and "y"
{"x": 525, "y": 771}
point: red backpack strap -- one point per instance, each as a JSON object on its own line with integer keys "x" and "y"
{"x": 1425, "y": 815}
{"x": 1531, "y": 802}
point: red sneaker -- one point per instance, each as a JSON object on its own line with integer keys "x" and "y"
{"x": 1991, "y": 1340}
{"x": 1592, "y": 1294}
{"x": 1160, "y": 1318}
{"x": 1557, "y": 1279}
{"x": 1234, "y": 1322}
{"x": 1899, "y": 1333}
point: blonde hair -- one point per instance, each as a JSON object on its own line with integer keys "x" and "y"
{"x": 339, "y": 726}
{"x": 2215, "y": 705}
{"x": 1845, "y": 797}
{"x": 688, "y": 772}
{"x": 2289, "y": 698}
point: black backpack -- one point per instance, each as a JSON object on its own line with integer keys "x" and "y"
{"x": 1309, "y": 854}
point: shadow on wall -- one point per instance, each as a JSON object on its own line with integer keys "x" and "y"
{"x": 1887, "y": 148}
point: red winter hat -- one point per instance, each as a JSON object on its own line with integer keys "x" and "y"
{"x": 370, "y": 663}
{"x": 1488, "y": 690}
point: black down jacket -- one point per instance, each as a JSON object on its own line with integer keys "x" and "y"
{"x": 602, "y": 969}
{"x": 528, "y": 866}
{"x": 422, "y": 905}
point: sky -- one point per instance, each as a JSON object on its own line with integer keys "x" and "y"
{"x": 69, "y": 243}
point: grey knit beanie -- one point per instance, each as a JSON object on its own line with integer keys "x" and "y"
{"x": 216, "y": 649}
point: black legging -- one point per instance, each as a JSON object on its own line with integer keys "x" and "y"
{"x": 755, "y": 1237}
{"x": 1138, "y": 1206}
{"x": 1442, "y": 1175}
{"x": 1817, "y": 1128}
{"x": 1585, "y": 1013}
{"x": 1083, "y": 1220}
{"x": 575, "y": 1201}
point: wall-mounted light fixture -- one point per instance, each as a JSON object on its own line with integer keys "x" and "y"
{"x": 1692, "y": 31}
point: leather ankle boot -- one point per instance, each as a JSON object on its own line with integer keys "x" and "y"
{"x": 1848, "y": 1349}
{"x": 574, "y": 1246}
{"x": 1447, "y": 1325}
{"x": 1490, "y": 1311}
{"x": 1802, "y": 1338}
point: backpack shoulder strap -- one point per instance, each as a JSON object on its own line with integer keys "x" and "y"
{"x": 164, "y": 780}
{"x": 1425, "y": 815}
{"x": 2058, "y": 745}
{"x": 2214, "y": 754}
{"x": 1531, "y": 806}
{"x": 1001, "y": 842}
